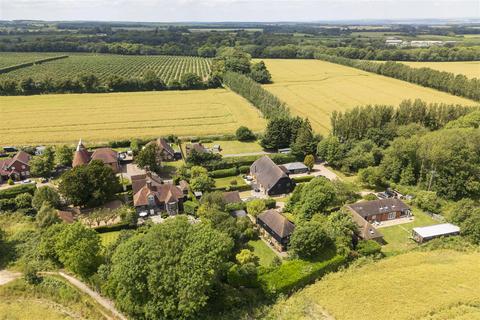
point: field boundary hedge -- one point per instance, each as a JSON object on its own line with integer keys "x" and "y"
{"x": 295, "y": 274}
{"x": 31, "y": 63}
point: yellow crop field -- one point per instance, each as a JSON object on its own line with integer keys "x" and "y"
{"x": 471, "y": 69}
{"x": 314, "y": 88}
{"x": 435, "y": 285}
{"x": 65, "y": 118}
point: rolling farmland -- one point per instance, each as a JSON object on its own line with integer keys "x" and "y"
{"x": 103, "y": 66}
{"x": 48, "y": 119}
{"x": 471, "y": 69}
{"x": 417, "y": 285}
{"x": 314, "y": 89}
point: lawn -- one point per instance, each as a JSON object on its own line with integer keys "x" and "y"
{"x": 471, "y": 69}
{"x": 109, "y": 237}
{"x": 262, "y": 251}
{"x": 431, "y": 285}
{"x": 65, "y": 118}
{"x": 236, "y": 147}
{"x": 225, "y": 182}
{"x": 32, "y": 309}
{"x": 314, "y": 88}
{"x": 398, "y": 237}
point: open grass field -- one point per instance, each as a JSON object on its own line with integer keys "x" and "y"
{"x": 432, "y": 285}
{"x": 236, "y": 147}
{"x": 226, "y": 181}
{"x": 31, "y": 309}
{"x": 398, "y": 237}
{"x": 50, "y": 119}
{"x": 103, "y": 66}
{"x": 314, "y": 89}
{"x": 471, "y": 69}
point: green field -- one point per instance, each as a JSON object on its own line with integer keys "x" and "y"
{"x": 103, "y": 66}
{"x": 262, "y": 251}
{"x": 109, "y": 237}
{"x": 471, "y": 69}
{"x": 432, "y": 285}
{"x": 225, "y": 182}
{"x": 8, "y": 59}
{"x": 314, "y": 89}
{"x": 62, "y": 118}
{"x": 32, "y": 309}
{"x": 235, "y": 147}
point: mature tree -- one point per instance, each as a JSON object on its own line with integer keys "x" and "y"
{"x": 152, "y": 82}
{"x": 244, "y": 134}
{"x": 428, "y": 201}
{"x": 46, "y": 216}
{"x": 89, "y": 185}
{"x": 314, "y": 197}
{"x": 466, "y": 214}
{"x": 304, "y": 142}
{"x": 259, "y": 73}
{"x": 64, "y": 155}
{"x": 199, "y": 158}
{"x": 310, "y": 240}
{"x": 45, "y": 194}
{"x": 372, "y": 177}
{"x": 309, "y": 161}
{"x": 331, "y": 150}
{"x": 168, "y": 271}
{"x": 278, "y": 133}
{"x": 43, "y": 165}
{"x": 78, "y": 248}
{"x": 191, "y": 81}
{"x": 255, "y": 207}
{"x": 147, "y": 158}
{"x": 202, "y": 183}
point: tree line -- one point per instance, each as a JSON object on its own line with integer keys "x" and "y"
{"x": 90, "y": 83}
{"x": 458, "y": 85}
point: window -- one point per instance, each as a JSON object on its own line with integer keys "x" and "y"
{"x": 392, "y": 215}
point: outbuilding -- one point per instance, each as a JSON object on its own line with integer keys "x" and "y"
{"x": 423, "y": 234}
{"x": 295, "y": 167}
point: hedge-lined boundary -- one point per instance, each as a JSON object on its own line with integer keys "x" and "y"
{"x": 31, "y": 63}
{"x": 12, "y": 192}
{"x": 295, "y": 274}
{"x": 268, "y": 104}
{"x": 458, "y": 85}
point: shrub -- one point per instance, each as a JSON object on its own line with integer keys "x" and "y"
{"x": 23, "y": 201}
{"x": 302, "y": 179}
{"x": 428, "y": 201}
{"x": 270, "y": 203}
{"x": 233, "y": 182}
{"x": 11, "y": 193}
{"x": 368, "y": 248}
{"x": 244, "y": 134}
{"x": 10, "y": 182}
{"x": 255, "y": 207}
{"x": 190, "y": 207}
{"x": 244, "y": 169}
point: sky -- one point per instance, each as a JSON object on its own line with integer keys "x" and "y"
{"x": 236, "y": 10}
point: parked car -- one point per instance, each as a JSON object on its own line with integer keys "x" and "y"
{"x": 26, "y": 181}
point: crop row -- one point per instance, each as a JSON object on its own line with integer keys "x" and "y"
{"x": 103, "y": 66}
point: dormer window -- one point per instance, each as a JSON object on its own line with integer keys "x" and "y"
{"x": 151, "y": 200}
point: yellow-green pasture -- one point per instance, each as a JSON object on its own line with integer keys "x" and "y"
{"x": 433, "y": 285}
{"x": 314, "y": 88}
{"x": 65, "y": 118}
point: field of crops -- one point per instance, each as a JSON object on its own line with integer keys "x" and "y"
{"x": 113, "y": 116}
{"x": 436, "y": 285}
{"x": 8, "y": 59}
{"x": 471, "y": 69}
{"x": 314, "y": 89}
{"x": 103, "y": 66}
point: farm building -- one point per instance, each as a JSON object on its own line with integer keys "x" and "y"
{"x": 107, "y": 155}
{"x": 423, "y": 234}
{"x": 152, "y": 196}
{"x": 380, "y": 210}
{"x": 294, "y": 167}
{"x": 231, "y": 197}
{"x": 270, "y": 177}
{"x": 16, "y": 168}
{"x": 276, "y": 228}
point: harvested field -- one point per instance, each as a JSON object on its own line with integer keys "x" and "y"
{"x": 471, "y": 69}
{"x": 314, "y": 88}
{"x": 52, "y": 119}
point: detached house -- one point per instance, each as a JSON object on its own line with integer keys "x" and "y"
{"x": 107, "y": 155}
{"x": 276, "y": 228}
{"x": 165, "y": 152}
{"x": 16, "y": 168}
{"x": 151, "y": 196}
{"x": 270, "y": 177}
{"x": 381, "y": 210}
{"x": 198, "y": 147}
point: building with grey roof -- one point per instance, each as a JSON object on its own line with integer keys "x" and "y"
{"x": 270, "y": 177}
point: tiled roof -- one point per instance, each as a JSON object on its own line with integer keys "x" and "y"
{"x": 374, "y": 207}
{"x": 277, "y": 222}
{"x": 266, "y": 172}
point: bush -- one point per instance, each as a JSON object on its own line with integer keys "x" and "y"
{"x": 428, "y": 201}
{"x": 244, "y": 169}
{"x": 23, "y": 201}
{"x": 270, "y": 203}
{"x": 310, "y": 240}
{"x": 10, "y": 182}
{"x": 255, "y": 207}
{"x": 295, "y": 274}
{"x": 190, "y": 207}
{"x": 368, "y": 248}
{"x": 302, "y": 179}
{"x": 7, "y": 205}
{"x": 223, "y": 173}
{"x": 233, "y": 182}
{"x": 244, "y": 134}
{"x": 243, "y": 275}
